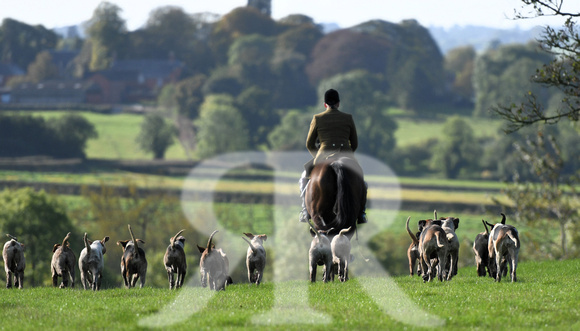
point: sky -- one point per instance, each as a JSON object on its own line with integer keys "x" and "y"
{"x": 345, "y": 13}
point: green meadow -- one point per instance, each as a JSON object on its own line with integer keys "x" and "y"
{"x": 117, "y": 133}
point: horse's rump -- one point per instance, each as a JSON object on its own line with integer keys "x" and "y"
{"x": 335, "y": 193}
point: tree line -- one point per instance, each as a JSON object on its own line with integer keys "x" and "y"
{"x": 253, "y": 83}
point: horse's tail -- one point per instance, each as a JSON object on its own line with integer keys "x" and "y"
{"x": 342, "y": 206}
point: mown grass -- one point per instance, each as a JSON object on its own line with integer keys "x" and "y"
{"x": 117, "y": 134}
{"x": 412, "y": 131}
{"x": 545, "y": 297}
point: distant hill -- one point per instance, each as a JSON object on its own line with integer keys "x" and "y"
{"x": 480, "y": 37}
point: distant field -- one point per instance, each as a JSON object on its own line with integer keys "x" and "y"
{"x": 117, "y": 133}
{"x": 413, "y": 189}
{"x": 545, "y": 297}
{"x": 415, "y": 131}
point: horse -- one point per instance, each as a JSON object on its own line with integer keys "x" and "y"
{"x": 336, "y": 195}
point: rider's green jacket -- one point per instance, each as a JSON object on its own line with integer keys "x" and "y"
{"x": 335, "y": 131}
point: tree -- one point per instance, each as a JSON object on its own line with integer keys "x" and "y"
{"x": 38, "y": 220}
{"x": 171, "y": 33}
{"x": 64, "y": 137}
{"x": 550, "y": 198}
{"x": 562, "y": 73}
{"x": 107, "y": 33}
{"x": 72, "y": 133}
{"x": 291, "y": 133}
{"x": 457, "y": 150}
{"x": 255, "y": 105}
{"x": 459, "y": 62}
{"x": 220, "y": 127}
{"x": 250, "y": 56}
{"x": 239, "y": 22}
{"x": 346, "y": 50}
{"x": 502, "y": 76}
{"x": 155, "y": 136}
{"x": 360, "y": 96}
{"x": 42, "y": 68}
{"x": 20, "y": 42}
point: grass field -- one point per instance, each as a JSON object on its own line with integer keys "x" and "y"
{"x": 117, "y": 133}
{"x": 545, "y": 297}
{"x": 415, "y": 131}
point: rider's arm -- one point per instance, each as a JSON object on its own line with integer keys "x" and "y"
{"x": 311, "y": 139}
{"x": 353, "y": 136}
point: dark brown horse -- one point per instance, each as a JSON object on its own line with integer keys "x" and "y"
{"x": 336, "y": 195}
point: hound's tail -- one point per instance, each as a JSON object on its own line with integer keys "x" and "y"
{"x": 65, "y": 240}
{"x": 134, "y": 241}
{"x": 484, "y": 224}
{"x": 514, "y": 238}
{"x": 174, "y": 238}
{"x": 87, "y": 245}
{"x": 210, "y": 239}
{"x": 439, "y": 244}
{"x": 343, "y": 231}
{"x": 250, "y": 243}
{"x": 11, "y": 236}
{"x": 415, "y": 240}
{"x": 313, "y": 228}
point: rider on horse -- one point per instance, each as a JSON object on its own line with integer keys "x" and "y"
{"x": 335, "y": 132}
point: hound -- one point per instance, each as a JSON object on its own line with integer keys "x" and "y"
{"x": 481, "y": 252}
{"x": 133, "y": 261}
{"x": 433, "y": 249}
{"x": 63, "y": 263}
{"x": 174, "y": 261}
{"x": 255, "y": 257}
{"x": 413, "y": 250}
{"x": 504, "y": 244}
{"x": 14, "y": 262}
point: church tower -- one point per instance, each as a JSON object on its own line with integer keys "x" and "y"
{"x": 264, "y": 6}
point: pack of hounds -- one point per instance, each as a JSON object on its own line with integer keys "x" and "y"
{"x": 435, "y": 246}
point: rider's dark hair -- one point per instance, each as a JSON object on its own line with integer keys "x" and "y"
{"x": 331, "y": 97}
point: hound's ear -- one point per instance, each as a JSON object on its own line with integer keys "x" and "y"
{"x": 491, "y": 226}
{"x": 201, "y": 249}
{"x": 249, "y": 235}
{"x": 456, "y": 223}
{"x": 122, "y": 243}
{"x": 55, "y": 247}
{"x": 421, "y": 224}
{"x": 312, "y": 233}
{"x": 263, "y": 237}
{"x": 438, "y": 222}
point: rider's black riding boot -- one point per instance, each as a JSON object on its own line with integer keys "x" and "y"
{"x": 362, "y": 219}
{"x": 304, "y": 217}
